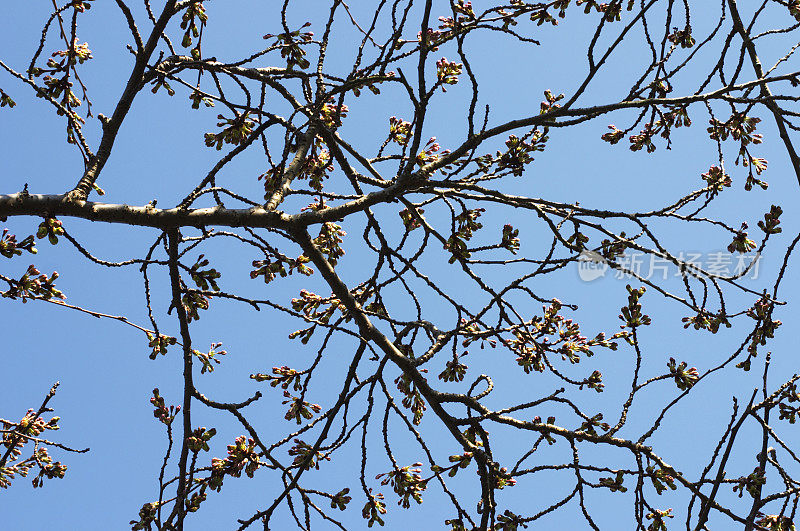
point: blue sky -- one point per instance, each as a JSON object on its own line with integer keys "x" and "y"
{"x": 105, "y": 374}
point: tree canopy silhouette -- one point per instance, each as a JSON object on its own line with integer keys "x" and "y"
{"x": 388, "y": 175}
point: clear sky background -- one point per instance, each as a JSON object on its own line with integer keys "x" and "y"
{"x": 105, "y": 374}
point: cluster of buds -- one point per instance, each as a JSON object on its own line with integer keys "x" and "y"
{"x": 614, "y": 484}
{"x": 270, "y": 269}
{"x": 519, "y": 151}
{"x": 6, "y": 101}
{"x": 57, "y": 70}
{"x": 632, "y": 314}
{"x": 299, "y": 409}
{"x": 789, "y": 395}
{"x": 373, "y": 509}
{"x": 771, "y": 221}
{"x": 199, "y": 438}
{"x": 50, "y": 227}
{"x": 147, "y": 515}
{"x": 550, "y": 102}
{"x": 644, "y": 138}
{"x": 306, "y": 456}
{"x": 447, "y": 72}
{"x": 283, "y": 377}
{"x": 204, "y": 278}
{"x": 399, "y": 131}
{"x": 614, "y": 136}
{"x": 682, "y": 38}
{"x": 500, "y": 478}
{"x": 291, "y": 45}
{"x": 341, "y": 499}
{"x": 79, "y": 53}
{"x": 410, "y": 221}
{"x": 705, "y": 320}
{"x": 717, "y": 179}
{"x": 195, "y": 12}
{"x": 428, "y": 153}
{"x": 412, "y": 398}
{"x": 553, "y": 333}
{"x": 242, "y": 457}
{"x": 611, "y": 11}
{"x": 208, "y": 359}
{"x": 332, "y": 114}
{"x": 741, "y": 242}
{"x": 198, "y": 97}
{"x": 684, "y": 378}
{"x": 15, "y": 436}
{"x": 34, "y": 284}
{"x": 661, "y": 479}
{"x": 316, "y": 167}
{"x": 235, "y": 131}
{"x": 751, "y": 483}
{"x": 159, "y": 343}
{"x": 81, "y": 5}
{"x": 329, "y": 241}
{"x": 466, "y": 223}
{"x": 192, "y": 302}
{"x": 165, "y": 415}
{"x": 764, "y": 330}
{"x": 658, "y": 517}
{"x": 589, "y": 425}
{"x": 309, "y": 304}
{"x": 406, "y": 482}
{"x": 10, "y": 247}
{"x": 454, "y": 370}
